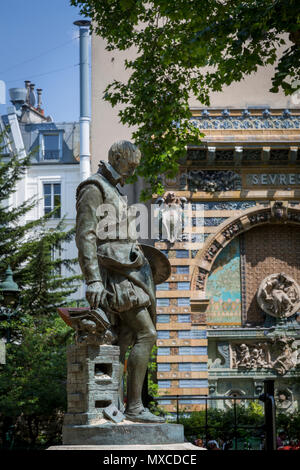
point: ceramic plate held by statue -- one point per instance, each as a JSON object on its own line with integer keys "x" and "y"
{"x": 159, "y": 263}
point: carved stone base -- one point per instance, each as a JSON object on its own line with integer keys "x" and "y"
{"x": 123, "y": 434}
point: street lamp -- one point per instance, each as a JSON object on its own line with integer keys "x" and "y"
{"x": 10, "y": 297}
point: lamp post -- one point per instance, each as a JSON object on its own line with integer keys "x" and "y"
{"x": 10, "y": 299}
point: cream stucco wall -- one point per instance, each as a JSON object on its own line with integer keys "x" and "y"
{"x": 107, "y": 66}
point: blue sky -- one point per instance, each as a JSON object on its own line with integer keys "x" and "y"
{"x": 38, "y": 42}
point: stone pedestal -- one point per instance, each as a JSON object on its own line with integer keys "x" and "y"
{"x": 92, "y": 383}
{"x": 92, "y": 386}
{"x": 123, "y": 434}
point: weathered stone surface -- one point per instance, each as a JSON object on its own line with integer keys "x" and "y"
{"x": 123, "y": 434}
{"x": 179, "y": 446}
{"x": 92, "y": 381}
{"x": 112, "y": 413}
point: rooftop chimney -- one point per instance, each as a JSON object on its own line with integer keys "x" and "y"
{"x": 39, "y": 103}
{"x": 32, "y": 97}
{"x": 27, "y": 86}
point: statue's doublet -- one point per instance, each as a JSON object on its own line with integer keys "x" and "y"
{"x": 119, "y": 263}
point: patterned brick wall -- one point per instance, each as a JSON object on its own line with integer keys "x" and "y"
{"x": 268, "y": 249}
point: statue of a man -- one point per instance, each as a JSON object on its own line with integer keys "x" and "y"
{"x": 117, "y": 273}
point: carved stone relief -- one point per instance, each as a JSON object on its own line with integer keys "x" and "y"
{"x": 223, "y": 351}
{"x": 232, "y": 230}
{"x": 284, "y": 399}
{"x": 171, "y": 216}
{"x": 213, "y": 180}
{"x": 281, "y": 354}
{"x": 279, "y": 295}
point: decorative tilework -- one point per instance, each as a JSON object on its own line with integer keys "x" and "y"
{"x": 198, "y": 237}
{"x": 163, "y": 351}
{"x": 163, "y": 334}
{"x": 193, "y": 383}
{"x": 209, "y": 206}
{"x": 192, "y": 334}
{"x": 182, "y": 269}
{"x": 163, "y": 318}
{"x": 163, "y": 367}
{"x": 224, "y": 155}
{"x": 164, "y": 383}
{"x": 182, "y": 253}
{"x": 213, "y": 180}
{"x": 163, "y": 286}
{"x": 192, "y": 366}
{"x": 184, "y": 318}
{"x": 192, "y": 350}
{"x": 214, "y": 221}
{"x": 224, "y": 286}
{"x": 183, "y": 286}
{"x": 251, "y": 122}
{"x": 196, "y": 154}
{"x": 183, "y": 301}
{"x": 252, "y": 155}
{"x": 163, "y": 302}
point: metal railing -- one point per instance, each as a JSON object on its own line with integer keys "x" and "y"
{"x": 268, "y": 429}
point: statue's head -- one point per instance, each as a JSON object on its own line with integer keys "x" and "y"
{"x": 124, "y": 157}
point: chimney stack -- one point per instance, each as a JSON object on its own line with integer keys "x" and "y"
{"x": 27, "y": 86}
{"x": 39, "y": 103}
{"x": 32, "y": 97}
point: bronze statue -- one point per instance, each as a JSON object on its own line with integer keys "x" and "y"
{"x": 117, "y": 271}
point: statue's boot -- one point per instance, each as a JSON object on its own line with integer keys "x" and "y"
{"x": 143, "y": 416}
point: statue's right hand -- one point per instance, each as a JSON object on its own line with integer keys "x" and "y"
{"x": 93, "y": 293}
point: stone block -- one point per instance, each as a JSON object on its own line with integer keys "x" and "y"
{"x": 81, "y": 418}
{"x": 123, "y": 434}
{"x": 92, "y": 381}
{"x": 75, "y": 367}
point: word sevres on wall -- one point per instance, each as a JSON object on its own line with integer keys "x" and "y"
{"x": 270, "y": 179}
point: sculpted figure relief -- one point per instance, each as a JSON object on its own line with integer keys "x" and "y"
{"x": 280, "y": 353}
{"x": 120, "y": 274}
{"x": 171, "y": 213}
{"x": 279, "y": 295}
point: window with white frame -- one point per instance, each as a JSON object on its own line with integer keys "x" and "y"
{"x": 50, "y": 146}
{"x": 52, "y": 199}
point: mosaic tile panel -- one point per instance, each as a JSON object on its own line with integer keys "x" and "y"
{"x": 224, "y": 287}
{"x": 209, "y": 206}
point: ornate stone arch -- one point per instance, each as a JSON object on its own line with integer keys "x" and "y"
{"x": 276, "y": 212}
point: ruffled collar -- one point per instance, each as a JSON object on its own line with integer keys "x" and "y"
{"x": 108, "y": 171}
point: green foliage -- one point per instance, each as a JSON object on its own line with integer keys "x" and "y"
{"x": 33, "y": 380}
{"x": 33, "y": 249}
{"x": 289, "y": 423}
{"x": 221, "y": 422}
{"x": 187, "y": 47}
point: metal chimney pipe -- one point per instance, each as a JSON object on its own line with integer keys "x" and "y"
{"x": 39, "y": 93}
{"x": 32, "y": 98}
{"x": 85, "y": 166}
{"x": 27, "y": 86}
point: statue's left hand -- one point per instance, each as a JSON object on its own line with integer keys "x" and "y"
{"x": 93, "y": 293}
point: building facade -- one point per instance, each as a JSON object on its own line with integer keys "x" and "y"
{"x": 223, "y": 326}
{"x": 219, "y": 325}
{"x": 54, "y": 173}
